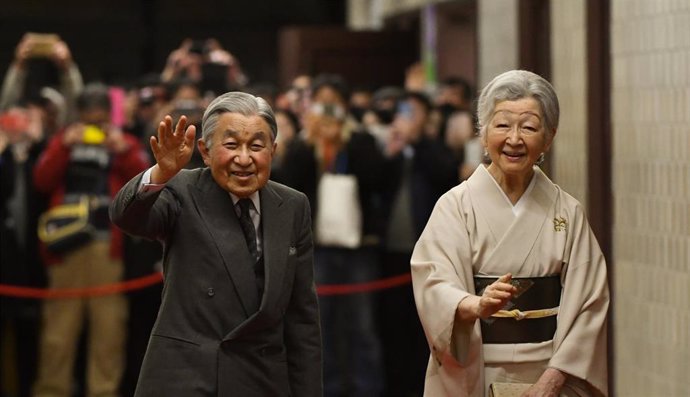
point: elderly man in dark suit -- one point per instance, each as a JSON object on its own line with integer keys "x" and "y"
{"x": 239, "y": 315}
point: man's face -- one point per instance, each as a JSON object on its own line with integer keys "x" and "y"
{"x": 240, "y": 154}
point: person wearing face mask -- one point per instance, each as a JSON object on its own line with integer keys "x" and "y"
{"x": 360, "y": 101}
{"x": 378, "y": 117}
{"x": 89, "y": 160}
{"x": 509, "y": 281}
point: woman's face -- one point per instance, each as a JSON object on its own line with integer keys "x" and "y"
{"x": 516, "y": 136}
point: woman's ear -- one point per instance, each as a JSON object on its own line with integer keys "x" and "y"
{"x": 549, "y": 140}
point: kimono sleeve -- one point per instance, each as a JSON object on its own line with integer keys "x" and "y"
{"x": 580, "y": 343}
{"x": 441, "y": 278}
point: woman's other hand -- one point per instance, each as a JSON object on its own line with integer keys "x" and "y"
{"x": 494, "y": 297}
{"x": 549, "y": 384}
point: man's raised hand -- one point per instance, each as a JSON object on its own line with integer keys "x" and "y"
{"x": 172, "y": 148}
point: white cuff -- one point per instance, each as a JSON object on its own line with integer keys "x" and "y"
{"x": 146, "y": 186}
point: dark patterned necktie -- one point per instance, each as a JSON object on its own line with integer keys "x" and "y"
{"x": 248, "y": 227}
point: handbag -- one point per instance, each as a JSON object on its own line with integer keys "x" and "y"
{"x": 504, "y": 389}
{"x": 66, "y": 226}
{"x": 338, "y": 216}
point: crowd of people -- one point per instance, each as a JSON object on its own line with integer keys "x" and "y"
{"x": 62, "y": 139}
{"x": 366, "y": 184}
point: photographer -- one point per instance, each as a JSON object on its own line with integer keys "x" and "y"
{"x": 207, "y": 63}
{"x": 46, "y": 54}
{"x": 90, "y": 159}
{"x": 185, "y": 99}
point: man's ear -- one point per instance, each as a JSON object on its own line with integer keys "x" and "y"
{"x": 273, "y": 149}
{"x": 201, "y": 145}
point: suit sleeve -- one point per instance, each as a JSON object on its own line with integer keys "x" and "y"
{"x": 302, "y": 325}
{"x": 144, "y": 214}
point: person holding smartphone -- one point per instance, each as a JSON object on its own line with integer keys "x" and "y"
{"x": 36, "y": 58}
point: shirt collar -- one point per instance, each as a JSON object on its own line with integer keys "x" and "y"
{"x": 255, "y": 200}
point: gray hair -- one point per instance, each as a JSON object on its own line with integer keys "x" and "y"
{"x": 514, "y": 85}
{"x": 236, "y": 102}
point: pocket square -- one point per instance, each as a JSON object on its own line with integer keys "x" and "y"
{"x": 292, "y": 251}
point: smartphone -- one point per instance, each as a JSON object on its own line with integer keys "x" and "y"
{"x": 42, "y": 44}
{"x": 405, "y": 110}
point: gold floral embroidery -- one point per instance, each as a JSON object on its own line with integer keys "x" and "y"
{"x": 559, "y": 224}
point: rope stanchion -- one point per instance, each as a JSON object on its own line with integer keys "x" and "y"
{"x": 344, "y": 289}
{"x": 155, "y": 278}
{"x": 100, "y": 290}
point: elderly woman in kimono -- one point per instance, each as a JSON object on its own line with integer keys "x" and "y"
{"x": 509, "y": 280}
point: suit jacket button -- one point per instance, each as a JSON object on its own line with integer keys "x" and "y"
{"x": 211, "y": 292}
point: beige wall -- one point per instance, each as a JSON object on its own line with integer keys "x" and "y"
{"x": 650, "y": 55}
{"x": 369, "y": 14}
{"x": 569, "y": 78}
{"x": 498, "y": 38}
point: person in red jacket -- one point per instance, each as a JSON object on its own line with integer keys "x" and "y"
{"x": 93, "y": 159}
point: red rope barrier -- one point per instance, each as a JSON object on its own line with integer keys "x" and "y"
{"x": 109, "y": 289}
{"x": 335, "y": 289}
{"x": 155, "y": 278}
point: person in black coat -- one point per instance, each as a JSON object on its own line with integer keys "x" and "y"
{"x": 419, "y": 169}
{"x": 21, "y": 143}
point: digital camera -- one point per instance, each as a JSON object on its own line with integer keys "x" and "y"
{"x": 93, "y": 135}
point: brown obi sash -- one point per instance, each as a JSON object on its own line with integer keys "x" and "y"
{"x": 530, "y": 317}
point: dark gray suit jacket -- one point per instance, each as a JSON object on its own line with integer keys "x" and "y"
{"x": 215, "y": 336}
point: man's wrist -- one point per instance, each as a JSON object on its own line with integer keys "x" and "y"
{"x": 158, "y": 176}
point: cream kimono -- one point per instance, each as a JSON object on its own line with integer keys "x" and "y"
{"x": 473, "y": 230}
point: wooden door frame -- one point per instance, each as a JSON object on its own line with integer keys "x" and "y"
{"x": 599, "y": 192}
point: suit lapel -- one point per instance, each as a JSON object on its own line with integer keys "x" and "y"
{"x": 218, "y": 214}
{"x": 276, "y": 224}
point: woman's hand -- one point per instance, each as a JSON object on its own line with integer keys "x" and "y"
{"x": 172, "y": 149}
{"x": 494, "y": 297}
{"x": 549, "y": 384}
